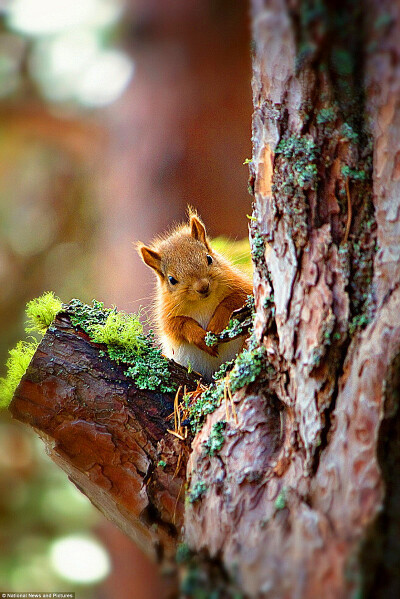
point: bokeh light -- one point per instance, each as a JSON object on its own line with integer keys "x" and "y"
{"x": 114, "y": 115}
{"x": 70, "y": 58}
{"x": 80, "y": 559}
{"x": 49, "y": 17}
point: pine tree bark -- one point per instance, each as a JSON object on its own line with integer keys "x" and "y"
{"x": 301, "y": 500}
{"x": 304, "y": 488}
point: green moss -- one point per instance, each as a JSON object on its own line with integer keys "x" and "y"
{"x": 17, "y": 363}
{"x": 195, "y": 584}
{"x": 197, "y": 491}
{"x": 343, "y": 62}
{"x": 119, "y": 330}
{"x": 216, "y": 439}
{"x": 41, "y": 312}
{"x": 280, "y": 502}
{"x": 183, "y": 553}
{"x": 162, "y": 463}
{"x": 383, "y": 20}
{"x": 125, "y": 341}
{"x": 326, "y": 115}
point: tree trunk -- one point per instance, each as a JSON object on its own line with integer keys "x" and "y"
{"x": 304, "y": 488}
{"x": 298, "y": 497}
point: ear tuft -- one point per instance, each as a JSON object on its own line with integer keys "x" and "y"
{"x": 150, "y": 257}
{"x": 197, "y": 229}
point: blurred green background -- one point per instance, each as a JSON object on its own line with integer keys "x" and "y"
{"x": 113, "y": 117}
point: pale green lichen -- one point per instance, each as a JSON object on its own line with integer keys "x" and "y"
{"x": 302, "y": 153}
{"x": 359, "y": 321}
{"x": 348, "y": 133}
{"x": 326, "y": 115}
{"x": 208, "y": 401}
{"x": 354, "y": 174}
{"x": 210, "y": 339}
{"x": 223, "y": 370}
{"x": 280, "y": 502}
{"x": 234, "y": 328}
{"x": 248, "y": 366}
{"x": 216, "y": 439}
{"x": 197, "y": 491}
{"x": 257, "y": 247}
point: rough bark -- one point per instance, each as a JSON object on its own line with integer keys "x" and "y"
{"x": 108, "y": 435}
{"x": 300, "y": 498}
{"x": 302, "y": 488}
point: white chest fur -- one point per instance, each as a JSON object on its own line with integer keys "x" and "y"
{"x": 191, "y": 356}
{"x": 188, "y": 354}
{"x": 204, "y": 311}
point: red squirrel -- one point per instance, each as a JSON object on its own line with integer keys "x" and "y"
{"x": 197, "y": 291}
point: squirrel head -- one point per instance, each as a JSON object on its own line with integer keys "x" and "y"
{"x": 187, "y": 268}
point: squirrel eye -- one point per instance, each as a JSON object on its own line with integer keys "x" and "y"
{"x": 172, "y": 280}
{"x": 209, "y": 259}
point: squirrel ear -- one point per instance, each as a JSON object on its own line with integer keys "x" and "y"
{"x": 198, "y": 230}
{"x": 151, "y": 258}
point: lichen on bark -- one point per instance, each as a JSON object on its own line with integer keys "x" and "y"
{"x": 296, "y": 486}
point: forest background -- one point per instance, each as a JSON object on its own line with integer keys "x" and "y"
{"x": 113, "y": 117}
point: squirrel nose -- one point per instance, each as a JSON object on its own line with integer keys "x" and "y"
{"x": 202, "y": 286}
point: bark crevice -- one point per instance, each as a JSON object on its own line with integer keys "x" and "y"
{"x": 380, "y": 552}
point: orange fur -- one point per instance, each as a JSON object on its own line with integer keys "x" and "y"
{"x": 203, "y": 297}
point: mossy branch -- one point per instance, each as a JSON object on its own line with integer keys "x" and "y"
{"x": 104, "y": 424}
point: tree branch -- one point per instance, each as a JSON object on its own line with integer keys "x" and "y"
{"x": 109, "y": 436}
